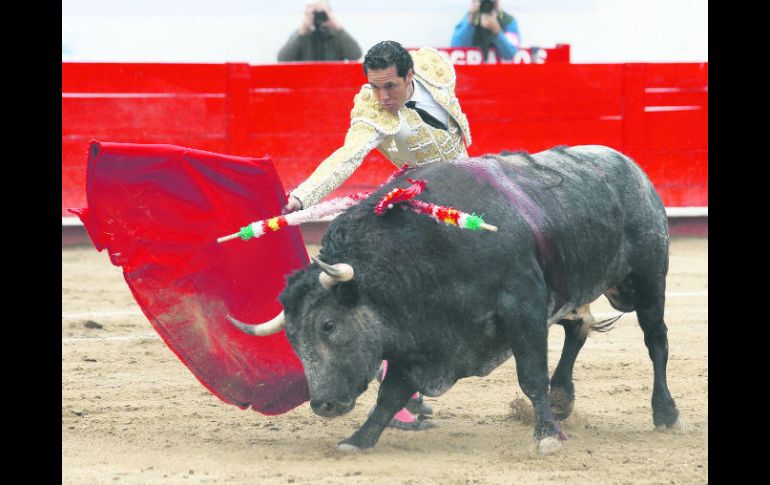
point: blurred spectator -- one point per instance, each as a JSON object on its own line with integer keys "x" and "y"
{"x": 487, "y": 25}
{"x": 320, "y": 37}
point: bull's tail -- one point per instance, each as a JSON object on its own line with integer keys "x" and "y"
{"x": 607, "y": 324}
{"x": 586, "y": 322}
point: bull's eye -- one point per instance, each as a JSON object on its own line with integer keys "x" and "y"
{"x": 327, "y": 326}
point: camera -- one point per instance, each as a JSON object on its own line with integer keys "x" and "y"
{"x": 319, "y": 17}
{"x": 486, "y": 6}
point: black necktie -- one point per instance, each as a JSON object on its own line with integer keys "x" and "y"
{"x": 426, "y": 117}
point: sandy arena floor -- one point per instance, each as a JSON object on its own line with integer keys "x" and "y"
{"x": 133, "y": 413}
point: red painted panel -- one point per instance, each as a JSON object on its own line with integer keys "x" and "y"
{"x": 298, "y": 113}
{"x": 373, "y": 170}
{"x": 679, "y": 176}
{"x": 675, "y": 97}
{"x": 73, "y": 177}
{"x": 74, "y": 148}
{"x": 539, "y": 92}
{"x": 73, "y": 188}
{"x": 541, "y": 135}
{"x": 544, "y": 79}
{"x": 296, "y": 144}
{"x": 676, "y": 166}
{"x": 300, "y": 76}
{"x": 673, "y": 130}
{"x": 690, "y": 76}
{"x": 107, "y": 116}
{"x": 288, "y": 111}
{"x": 142, "y": 78}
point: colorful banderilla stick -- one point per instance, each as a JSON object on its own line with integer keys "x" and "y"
{"x": 450, "y": 216}
{"x": 315, "y": 213}
{"x": 440, "y": 213}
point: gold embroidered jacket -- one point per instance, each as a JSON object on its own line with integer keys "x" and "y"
{"x": 401, "y": 137}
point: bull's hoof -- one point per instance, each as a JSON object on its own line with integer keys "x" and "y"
{"x": 347, "y": 447}
{"x": 562, "y": 403}
{"x": 678, "y": 426}
{"x": 548, "y": 445}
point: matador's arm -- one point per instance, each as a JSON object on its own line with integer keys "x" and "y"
{"x": 361, "y": 138}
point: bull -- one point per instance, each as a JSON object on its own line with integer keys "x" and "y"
{"x": 440, "y": 304}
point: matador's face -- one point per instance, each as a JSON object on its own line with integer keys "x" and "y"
{"x": 391, "y": 90}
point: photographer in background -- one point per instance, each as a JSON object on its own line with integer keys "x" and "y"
{"x": 487, "y": 25}
{"x": 320, "y": 37}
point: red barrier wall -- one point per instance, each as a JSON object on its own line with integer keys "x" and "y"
{"x": 298, "y": 114}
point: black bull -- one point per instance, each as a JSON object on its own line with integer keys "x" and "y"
{"x": 442, "y": 303}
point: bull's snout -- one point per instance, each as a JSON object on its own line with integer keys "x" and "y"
{"x": 329, "y": 409}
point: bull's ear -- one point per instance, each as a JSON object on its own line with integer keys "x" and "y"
{"x": 346, "y": 293}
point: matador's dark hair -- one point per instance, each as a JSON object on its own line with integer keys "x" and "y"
{"x": 388, "y": 53}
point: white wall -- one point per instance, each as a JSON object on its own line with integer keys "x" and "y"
{"x": 253, "y": 31}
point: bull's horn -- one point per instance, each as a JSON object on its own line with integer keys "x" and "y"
{"x": 332, "y": 274}
{"x": 261, "y": 329}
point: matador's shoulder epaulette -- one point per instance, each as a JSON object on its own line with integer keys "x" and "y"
{"x": 434, "y": 68}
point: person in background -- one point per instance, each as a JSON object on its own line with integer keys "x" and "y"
{"x": 408, "y": 111}
{"x": 320, "y": 37}
{"x": 486, "y": 25}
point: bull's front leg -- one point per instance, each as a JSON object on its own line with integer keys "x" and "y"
{"x": 530, "y": 349}
{"x": 393, "y": 395}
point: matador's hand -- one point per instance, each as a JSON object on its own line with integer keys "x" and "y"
{"x": 292, "y": 205}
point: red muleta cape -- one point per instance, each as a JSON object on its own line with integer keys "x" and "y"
{"x": 158, "y": 210}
